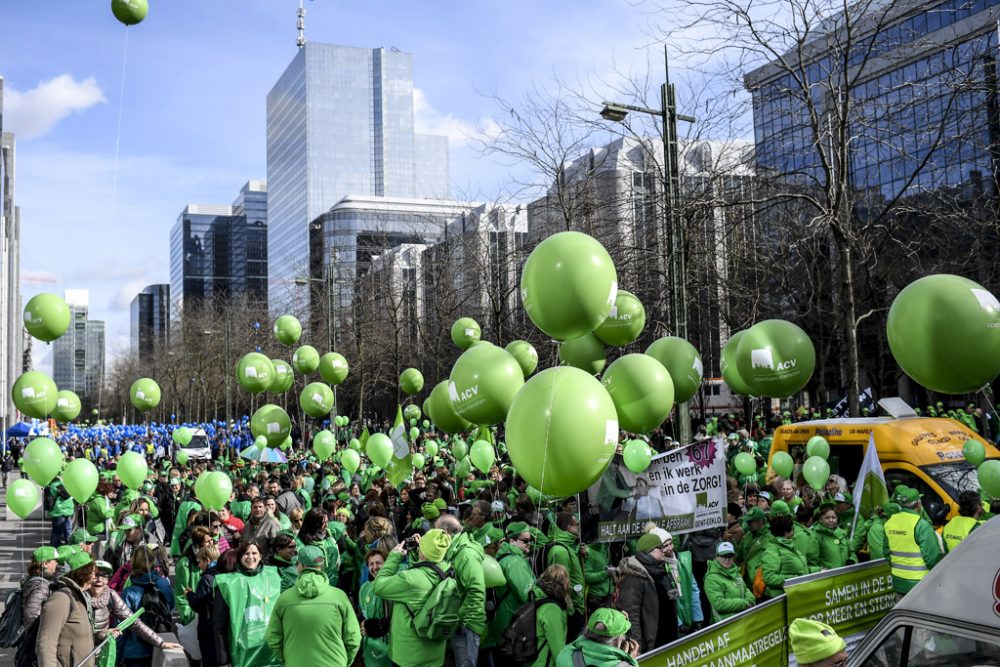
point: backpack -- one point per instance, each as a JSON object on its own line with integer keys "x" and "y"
{"x": 437, "y": 618}
{"x": 519, "y": 641}
{"x": 25, "y": 655}
{"x": 157, "y": 614}
{"x": 10, "y": 623}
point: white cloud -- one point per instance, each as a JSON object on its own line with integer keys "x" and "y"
{"x": 34, "y": 113}
{"x": 428, "y": 120}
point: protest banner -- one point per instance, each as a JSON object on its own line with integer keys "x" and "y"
{"x": 851, "y": 599}
{"x": 681, "y": 491}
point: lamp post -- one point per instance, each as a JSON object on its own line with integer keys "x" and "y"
{"x": 676, "y": 271}
{"x": 331, "y": 315}
{"x": 229, "y": 370}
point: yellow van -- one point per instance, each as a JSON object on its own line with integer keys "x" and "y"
{"x": 922, "y": 452}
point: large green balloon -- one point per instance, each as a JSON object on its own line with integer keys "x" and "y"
{"x": 783, "y": 464}
{"x": 255, "y": 372}
{"x": 131, "y": 469}
{"x": 483, "y": 455}
{"x": 271, "y": 423}
{"x": 460, "y": 449}
{"x": 411, "y": 381}
{"x": 145, "y": 394}
{"x": 23, "y": 497}
{"x": 431, "y": 448}
{"x": 442, "y": 412}
{"x": 776, "y": 358}
{"x": 484, "y": 381}
{"x": 818, "y": 446}
{"x": 379, "y": 449}
{"x": 586, "y": 353}
{"x": 974, "y": 452}
{"x": 182, "y": 436}
{"x": 727, "y": 363}
{"x": 283, "y": 377}
{"x": 316, "y": 399}
{"x": 525, "y": 355}
{"x": 35, "y": 394}
{"x": 350, "y": 460}
{"x": 216, "y": 490}
{"x": 745, "y": 463}
{"x": 324, "y": 443}
{"x": 182, "y": 457}
{"x": 682, "y": 361}
{"x": 46, "y": 317}
{"x": 562, "y": 431}
{"x": 816, "y": 471}
{"x": 411, "y": 412}
{"x": 333, "y": 368}
{"x": 67, "y": 406}
{"x": 417, "y": 460}
{"x": 130, "y": 12}
{"x": 80, "y": 479}
{"x": 944, "y": 332}
{"x": 625, "y": 322}
{"x": 306, "y": 359}
{"x": 493, "y": 575}
{"x": 641, "y": 390}
{"x": 42, "y": 460}
{"x": 989, "y": 477}
{"x": 287, "y": 330}
{"x": 465, "y": 332}
{"x": 568, "y": 285}
{"x": 637, "y": 456}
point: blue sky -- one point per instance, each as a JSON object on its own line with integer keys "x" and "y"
{"x": 193, "y": 119}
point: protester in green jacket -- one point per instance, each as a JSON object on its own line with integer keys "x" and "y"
{"x": 284, "y": 550}
{"x": 830, "y": 546}
{"x": 802, "y": 536}
{"x": 466, "y": 556}
{"x": 187, "y": 508}
{"x": 595, "y": 574}
{"x": 552, "y": 591}
{"x": 408, "y": 590}
{"x": 313, "y": 623}
{"x": 564, "y": 549}
{"x": 604, "y": 643}
{"x": 375, "y": 617}
{"x": 98, "y": 511}
{"x": 781, "y": 560}
{"x": 513, "y": 559}
{"x": 315, "y": 532}
{"x": 727, "y": 592}
{"x": 755, "y": 540}
{"x": 60, "y": 512}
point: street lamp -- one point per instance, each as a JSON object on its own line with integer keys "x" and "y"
{"x": 331, "y": 316}
{"x": 617, "y": 112}
{"x": 229, "y": 372}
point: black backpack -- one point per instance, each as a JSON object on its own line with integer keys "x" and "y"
{"x": 10, "y": 623}
{"x": 25, "y": 655}
{"x": 519, "y": 641}
{"x": 157, "y": 613}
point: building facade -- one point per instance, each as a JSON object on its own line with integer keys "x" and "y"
{"x": 150, "y": 320}
{"x": 11, "y": 337}
{"x": 340, "y": 122}
{"x": 78, "y": 355}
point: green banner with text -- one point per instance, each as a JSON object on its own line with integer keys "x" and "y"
{"x": 850, "y": 599}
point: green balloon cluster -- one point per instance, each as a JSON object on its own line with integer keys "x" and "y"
{"x": 131, "y": 469}
{"x": 287, "y": 330}
{"x": 42, "y": 460}
{"x": 283, "y": 377}
{"x": 333, "y": 368}
{"x": 625, "y": 322}
{"x": 443, "y": 413}
{"x": 46, "y": 317}
{"x": 568, "y": 285}
{"x": 316, "y": 399}
{"x": 35, "y": 394}
{"x": 525, "y": 355}
{"x": 411, "y": 381}
{"x": 682, "y": 362}
{"x": 641, "y": 390}
{"x": 271, "y": 423}
{"x": 483, "y": 383}
{"x": 775, "y": 358}
{"x": 465, "y": 332}
{"x": 130, "y": 12}
{"x": 23, "y": 497}
{"x": 145, "y": 394}
{"x": 586, "y": 353}
{"x": 637, "y": 456}
{"x": 305, "y": 360}
{"x": 944, "y": 332}
{"x": 67, "y": 406}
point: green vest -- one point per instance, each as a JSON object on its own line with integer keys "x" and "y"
{"x": 685, "y": 605}
{"x": 905, "y": 559}
{"x": 251, "y": 601}
{"x": 956, "y": 531}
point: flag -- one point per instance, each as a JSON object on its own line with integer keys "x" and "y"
{"x": 870, "y": 491}
{"x": 400, "y": 466}
{"x": 363, "y": 439}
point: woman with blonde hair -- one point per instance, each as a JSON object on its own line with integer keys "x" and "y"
{"x": 552, "y": 597}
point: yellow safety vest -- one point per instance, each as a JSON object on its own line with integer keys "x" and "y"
{"x": 957, "y": 530}
{"x": 905, "y": 559}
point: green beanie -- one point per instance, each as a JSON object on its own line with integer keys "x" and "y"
{"x": 608, "y": 623}
{"x": 429, "y": 511}
{"x": 813, "y": 641}
{"x": 516, "y": 528}
{"x": 434, "y": 545}
{"x": 780, "y": 508}
{"x": 440, "y": 504}
{"x": 647, "y": 543}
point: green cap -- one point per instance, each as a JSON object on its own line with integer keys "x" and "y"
{"x": 42, "y": 554}
{"x": 434, "y": 545}
{"x": 104, "y": 566}
{"x": 780, "y": 508}
{"x": 430, "y": 511}
{"x": 813, "y": 641}
{"x": 755, "y": 514}
{"x": 80, "y": 536}
{"x": 440, "y": 504}
{"x": 132, "y": 521}
{"x": 905, "y": 495}
{"x": 78, "y": 560}
{"x": 312, "y": 558}
{"x": 608, "y": 623}
{"x": 647, "y": 543}
{"x": 516, "y": 528}
{"x": 65, "y": 551}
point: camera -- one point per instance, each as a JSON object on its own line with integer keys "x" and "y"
{"x": 411, "y": 542}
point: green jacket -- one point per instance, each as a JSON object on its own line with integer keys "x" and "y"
{"x": 565, "y": 550}
{"x": 180, "y": 523}
{"x": 250, "y": 600}
{"x": 466, "y": 556}
{"x": 751, "y": 550}
{"x": 520, "y": 581}
{"x": 62, "y": 506}
{"x": 186, "y": 575}
{"x": 550, "y": 630}
{"x": 595, "y": 655}
{"x": 240, "y": 509}
{"x": 313, "y": 623}
{"x": 726, "y": 591}
{"x": 595, "y": 571}
{"x": 801, "y": 537}
{"x": 98, "y": 511}
{"x": 375, "y": 650}
{"x": 781, "y": 561}
{"x": 875, "y": 536}
{"x": 828, "y": 549}
{"x": 288, "y": 572}
{"x": 409, "y": 589}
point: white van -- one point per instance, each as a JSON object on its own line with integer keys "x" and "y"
{"x": 198, "y": 448}
{"x": 950, "y": 618}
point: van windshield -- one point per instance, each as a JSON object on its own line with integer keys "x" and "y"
{"x": 954, "y": 477}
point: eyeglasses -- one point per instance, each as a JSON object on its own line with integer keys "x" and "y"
{"x": 839, "y": 663}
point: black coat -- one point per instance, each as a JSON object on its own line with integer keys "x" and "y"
{"x": 644, "y": 595}
{"x": 202, "y": 602}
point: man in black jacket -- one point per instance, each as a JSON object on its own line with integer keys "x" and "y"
{"x": 648, "y": 594}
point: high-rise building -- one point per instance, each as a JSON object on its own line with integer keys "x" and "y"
{"x": 11, "y": 328}
{"x": 219, "y": 252}
{"x": 78, "y": 355}
{"x": 340, "y": 123}
{"x": 150, "y": 314}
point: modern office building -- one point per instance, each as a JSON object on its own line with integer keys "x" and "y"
{"x": 340, "y": 123}
{"x": 11, "y": 340}
{"x": 219, "y": 253}
{"x": 150, "y": 320}
{"x": 78, "y": 355}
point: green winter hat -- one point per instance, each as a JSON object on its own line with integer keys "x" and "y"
{"x": 312, "y": 558}
{"x": 494, "y": 535}
{"x": 647, "y": 543}
{"x": 755, "y": 514}
{"x": 813, "y": 641}
{"x": 42, "y": 554}
{"x": 434, "y": 545}
{"x": 608, "y": 623}
{"x": 780, "y": 508}
{"x": 429, "y": 511}
{"x": 440, "y": 504}
{"x": 516, "y": 528}
{"x": 78, "y": 560}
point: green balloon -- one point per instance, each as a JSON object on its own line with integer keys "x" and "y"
{"x": 333, "y": 368}
{"x": 562, "y": 431}
{"x": 414, "y": 433}
{"x": 35, "y": 394}
{"x": 23, "y": 497}
{"x": 483, "y": 383}
{"x": 286, "y": 443}
{"x": 80, "y": 479}
{"x": 67, "y": 406}
{"x": 271, "y": 423}
{"x": 417, "y": 460}
{"x": 782, "y": 464}
{"x": 730, "y": 372}
{"x": 816, "y": 471}
{"x": 974, "y": 452}
{"x": 426, "y": 424}
{"x": 216, "y": 490}
{"x": 525, "y": 355}
{"x": 130, "y": 12}
{"x": 637, "y": 455}
{"x": 465, "y": 332}
{"x": 776, "y": 358}
{"x": 568, "y": 285}
{"x": 305, "y": 360}
{"x": 442, "y": 412}
{"x": 46, "y": 317}
{"x": 463, "y": 468}
{"x": 818, "y": 446}
{"x": 182, "y": 457}
{"x": 182, "y": 436}
{"x": 351, "y": 460}
{"x": 324, "y": 444}
{"x": 287, "y": 330}
{"x": 411, "y": 412}
{"x": 283, "y": 377}
{"x": 379, "y": 449}
{"x": 355, "y": 444}
{"x": 199, "y": 483}
{"x": 641, "y": 390}
{"x": 586, "y": 353}
{"x": 260, "y": 442}
{"x": 989, "y": 477}
{"x": 145, "y": 394}
{"x": 459, "y": 449}
{"x": 944, "y": 332}
{"x": 625, "y": 322}
{"x": 316, "y": 399}
{"x": 682, "y": 361}
{"x": 411, "y": 381}
{"x": 255, "y": 372}
{"x": 745, "y": 463}
{"x": 483, "y": 456}
{"x": 493, "y": 576}
{"x": 431, "y": 448}
{"x": 131, "y": 469}
{"x": 42, "y": 460}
